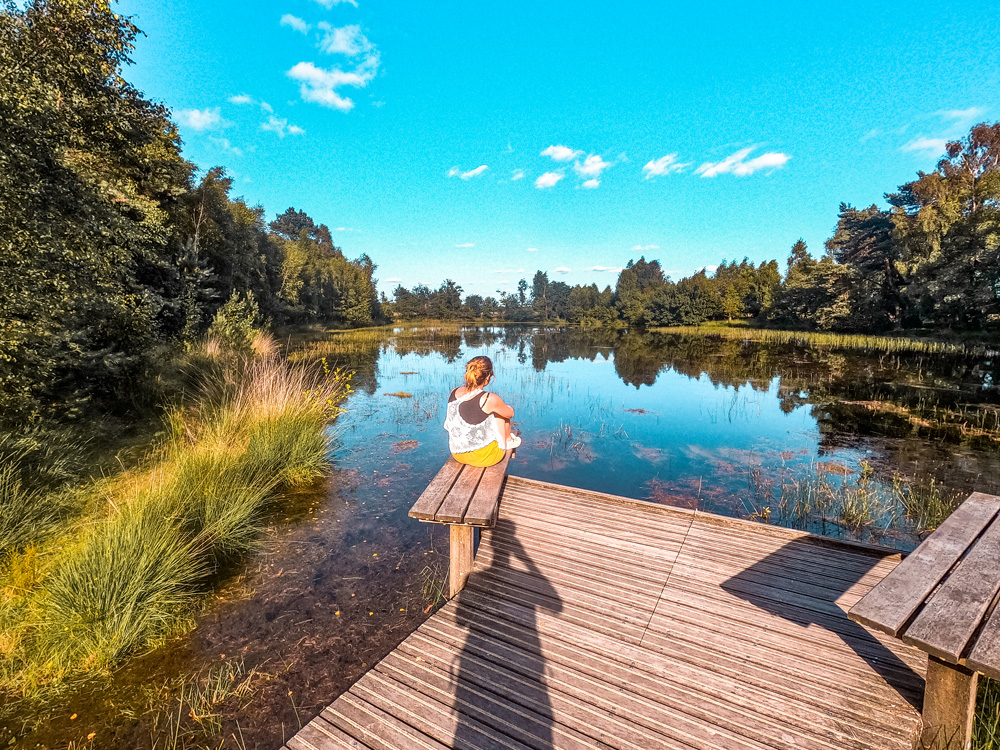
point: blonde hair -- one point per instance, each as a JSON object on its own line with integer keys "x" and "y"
{"x": 478, "y": 370}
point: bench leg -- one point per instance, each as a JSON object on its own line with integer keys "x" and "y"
{"x": 949, "y": 705}
{"x": 461, "y": 558}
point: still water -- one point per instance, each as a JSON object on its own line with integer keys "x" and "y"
{"x": 835, "y": 442}
{"x": 778, "y": 433}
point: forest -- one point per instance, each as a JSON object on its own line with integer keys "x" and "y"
{"x": 116, "y": 251}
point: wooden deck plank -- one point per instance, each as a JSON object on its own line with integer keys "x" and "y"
{"x": 319, "y": 734}
{"x": 814, "y": 710}
{"x": 380, "y": 729}
{"x": 890, "y": 607}
{"x": 950, "y": 617}
{"x": 597, "y": 621}
{"x": 482, "y": 511}
{"x": 431, "y": 498}
{"x": 574, "y": 699}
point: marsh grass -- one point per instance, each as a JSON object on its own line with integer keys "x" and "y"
{"x": 131, "y": 569}
{"x": 857, "y": 500}
{"x": 986, "y": 729}
{"x": 887, "y": 344}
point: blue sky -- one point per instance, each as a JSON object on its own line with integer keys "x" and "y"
{"x": 474, "y": 140}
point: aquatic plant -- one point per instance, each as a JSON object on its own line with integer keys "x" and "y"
{"x": 831, "y": 340}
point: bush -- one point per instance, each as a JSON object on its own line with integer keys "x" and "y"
{"x": 234, "y": 325}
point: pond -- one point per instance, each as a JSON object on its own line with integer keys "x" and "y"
{"x": 864, "y": 446}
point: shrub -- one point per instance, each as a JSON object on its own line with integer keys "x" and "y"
{"x": 234, "y": 325}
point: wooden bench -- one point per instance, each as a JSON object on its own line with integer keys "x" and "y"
{"x": 941, "y": 599}
{"x": 464, "y": 497}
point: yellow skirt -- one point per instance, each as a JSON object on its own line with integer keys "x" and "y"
{"x": 488, "y": 455}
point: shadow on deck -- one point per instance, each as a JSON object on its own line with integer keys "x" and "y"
{"x": 595, "y": 621}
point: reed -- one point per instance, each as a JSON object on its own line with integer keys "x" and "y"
{"x": 887, "y": 344}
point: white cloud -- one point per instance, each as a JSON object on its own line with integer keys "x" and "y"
{"x": 466, "y": 244}
{"x": 200, "y": 119}
{"x": 517, "y": 174}
{"x": 247, "y": 99}
{"x": 591, "y": 184}
{"x": 280, "y": 126}
{"x": 737, "y": 163}
{"x": 345, "y": 40}
{"x": 561, "y": 153}
{"x": 962, "y": 116}
{"x": 456, "y": 172}
{"x": 641, "y": 248}
{"x": 709, "y": 270}
{"x": 937, "y": 145}
{"x": 605, "y": 269}
{"x": 562, "y": 269}
{"x": 532, "y": 250}
{"x": 548, "y": 179}
{"x": 393, "y": 280}
{"x": 592, "y": 166}
{"x": 330, "y": 3}
{"x": 509, "y": 270}
{"x": 319, "y": 85}
{"x": 664, "y": 165}
{"x": 225, "y": 145}
{"x": 294, "y": 22}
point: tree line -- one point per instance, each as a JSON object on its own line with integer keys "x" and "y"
{"x": 931, "y": 261}
{"x": 111, "y": 246}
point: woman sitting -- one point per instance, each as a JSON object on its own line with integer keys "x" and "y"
{"x": 478, "y": 422}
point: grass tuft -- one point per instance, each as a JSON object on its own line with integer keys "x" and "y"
{"x": 130, "y": 571}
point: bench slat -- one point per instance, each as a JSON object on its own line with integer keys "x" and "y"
{"x": 482, "y": 510}
{"x": 951, "y": 616}
{"x": 453, "y": 508}
{"x": 889, "y": 606}
{"x": 985, "y": 655}
{"x": 431, "y": 498}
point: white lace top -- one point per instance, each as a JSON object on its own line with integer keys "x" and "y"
{"x": 464, "y": 437}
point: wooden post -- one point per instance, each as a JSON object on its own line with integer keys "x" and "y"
{"x": 949, "y": 705}
{"x": 461, "y": 558}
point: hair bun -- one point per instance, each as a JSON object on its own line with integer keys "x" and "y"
{"x": 478, "y": 371}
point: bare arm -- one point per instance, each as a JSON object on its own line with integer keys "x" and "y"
{"x": 496, "y": 406}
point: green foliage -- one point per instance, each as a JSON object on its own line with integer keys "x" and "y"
{"x": 234, "y": 324}
{"x": 108, "y": 250}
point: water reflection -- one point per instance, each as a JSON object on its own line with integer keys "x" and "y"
{"x": 777, "y": 432}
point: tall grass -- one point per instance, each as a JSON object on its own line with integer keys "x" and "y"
{"x": 986, "y": 729}
{"x": 131, "y": 570}
{"x": 888, "y": 344}
{"x": 857, "y": 500}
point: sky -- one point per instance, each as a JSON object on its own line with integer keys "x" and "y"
{"x": 481, "y": 141}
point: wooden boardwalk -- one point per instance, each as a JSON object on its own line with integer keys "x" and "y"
{"x": 592, "y": 621}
